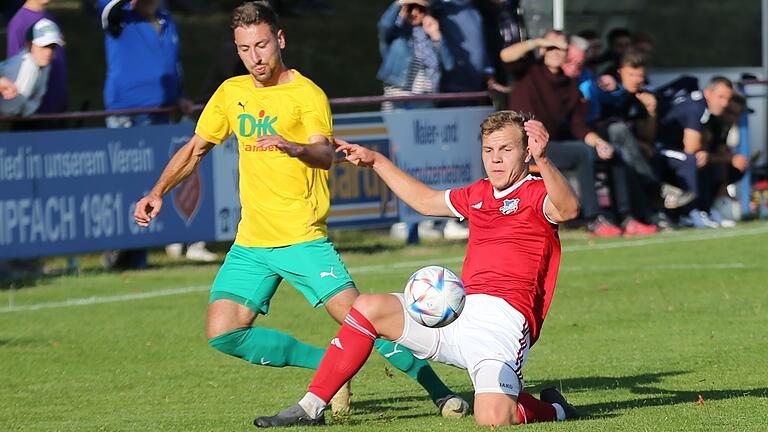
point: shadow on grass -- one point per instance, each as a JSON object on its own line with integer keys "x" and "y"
{"x": 645, "y": 390}
{"x": 648, "y": 391}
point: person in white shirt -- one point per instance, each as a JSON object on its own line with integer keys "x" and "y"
{"x": 24, "y": 76}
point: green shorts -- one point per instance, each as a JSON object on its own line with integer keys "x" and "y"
{"x": 250, "y": 275}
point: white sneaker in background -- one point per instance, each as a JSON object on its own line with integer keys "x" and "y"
{"x": 724, "y": 222}
{"x": 198, "y": 252}
{"x": 701, "y": 219}
{"x": 455, "y": 230}
{"x": 399, "y": 231}
{"x": 674, "y": 197}
{"x": 173, "y": 250}
{"x": 728, "y": 207}
{"x": 428, "y": 231}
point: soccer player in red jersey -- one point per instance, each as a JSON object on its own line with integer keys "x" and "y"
{"x": 509, "y": 274}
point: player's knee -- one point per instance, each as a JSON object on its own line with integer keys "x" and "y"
{"x": 496, "y": 416}
{"x": 227, "y": 342}
{"x": 367, "y": 305}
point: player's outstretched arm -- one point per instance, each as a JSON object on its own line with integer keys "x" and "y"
{"x": 181, "y": 165}
{"x": 417, "y": 195}
{"x": 563, "y": 204}
{"x": 317, "y": 154}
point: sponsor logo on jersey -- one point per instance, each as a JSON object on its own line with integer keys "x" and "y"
{"x": 250, "y": 126}
{"x": 510, "y": 206}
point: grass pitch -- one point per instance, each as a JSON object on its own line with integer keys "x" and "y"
{"x": 658, "y": 333}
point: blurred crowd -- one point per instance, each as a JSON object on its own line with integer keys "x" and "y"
{"x": 642, "y": 160}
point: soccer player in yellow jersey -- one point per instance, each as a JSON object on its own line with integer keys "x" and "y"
{"x": 283, "y": 125}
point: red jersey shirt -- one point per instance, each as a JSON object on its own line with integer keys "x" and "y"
{"x": 514, "y": 250}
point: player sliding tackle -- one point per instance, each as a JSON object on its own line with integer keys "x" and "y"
{"x": 509, "y": 274}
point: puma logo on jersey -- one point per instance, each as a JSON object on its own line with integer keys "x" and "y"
{"x": 337, "y": 343}
{"x": 328, "y": 273}
{"x": 242, "y": 105}
{"x": 477, "y": 206}
{"x": 395, "y": 351}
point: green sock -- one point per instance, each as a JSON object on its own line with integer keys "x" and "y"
{"x": 267, "y": 347}
{"x": 402, "y": 358}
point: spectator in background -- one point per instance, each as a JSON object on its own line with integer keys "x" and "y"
{"x": 413, "y": 52}
{"x": 682, "y": 151}
{"x": 414, "y": 58}
{"x": 555, "y": 100}
{"x": 24, "y": 76}
{"x": 461, "y": 26}
{"x": 628, "y": 117}
{"x": 143, "y": 71}
{"x": 619, "y": 40}
{"x": 595, "y": 46}
{"x": 723, "y": 166}
{"x": 644, "y": 44}
{"x": 504, "y": 26}
{"x": 56, "y": 98}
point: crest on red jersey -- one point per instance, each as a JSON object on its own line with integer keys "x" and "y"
{"x": 510, "y": 206}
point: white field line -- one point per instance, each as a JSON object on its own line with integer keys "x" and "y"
{"x": 665, "y": 239}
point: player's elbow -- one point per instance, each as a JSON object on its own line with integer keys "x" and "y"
{"x": 569, "y": 211}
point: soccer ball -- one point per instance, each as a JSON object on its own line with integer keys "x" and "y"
{"x": 434, "y": 296}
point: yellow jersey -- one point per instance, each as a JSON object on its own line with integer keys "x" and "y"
{"x": 283, "y": 200}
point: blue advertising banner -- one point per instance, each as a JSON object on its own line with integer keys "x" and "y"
{"x": 74, "y": 191}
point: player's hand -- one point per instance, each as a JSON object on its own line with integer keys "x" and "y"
{"x": 648, "y": 100}
{"x": 547, "y": 43}
{"x": 276, "y": 141}
{"x": 702, "y": 157}
{"x": 607, "y": 83}
{"x": 355, "y": 154}
{"x": 604, "y": 149}
{"x": 8, "y": 88}
{"x": 538, "y": 137}
{"x": 146, "y": 209}
{"x": 740, "y": 162}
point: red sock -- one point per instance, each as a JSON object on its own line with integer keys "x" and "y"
{"x": 530, "y": 409}
{"x": 345, "y": 356}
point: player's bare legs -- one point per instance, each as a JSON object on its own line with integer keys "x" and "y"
{"x": 495, "y": 409}
{"x": 385, "y": 312}
{"x": 227, "y": 315}
{"x": 339, "y": 305}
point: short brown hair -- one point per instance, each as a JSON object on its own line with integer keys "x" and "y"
{"x": 633, "y": 59}
{"x": 501, "y": 119}
{"x": 253, "y": 13}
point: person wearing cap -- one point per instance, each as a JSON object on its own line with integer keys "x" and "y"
{"x": 56, "y": 99}
{"x": 413, "y": 53}
{"x": 24, "y": 76}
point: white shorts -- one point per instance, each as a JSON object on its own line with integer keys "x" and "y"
{"x": 490, "y": 339}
